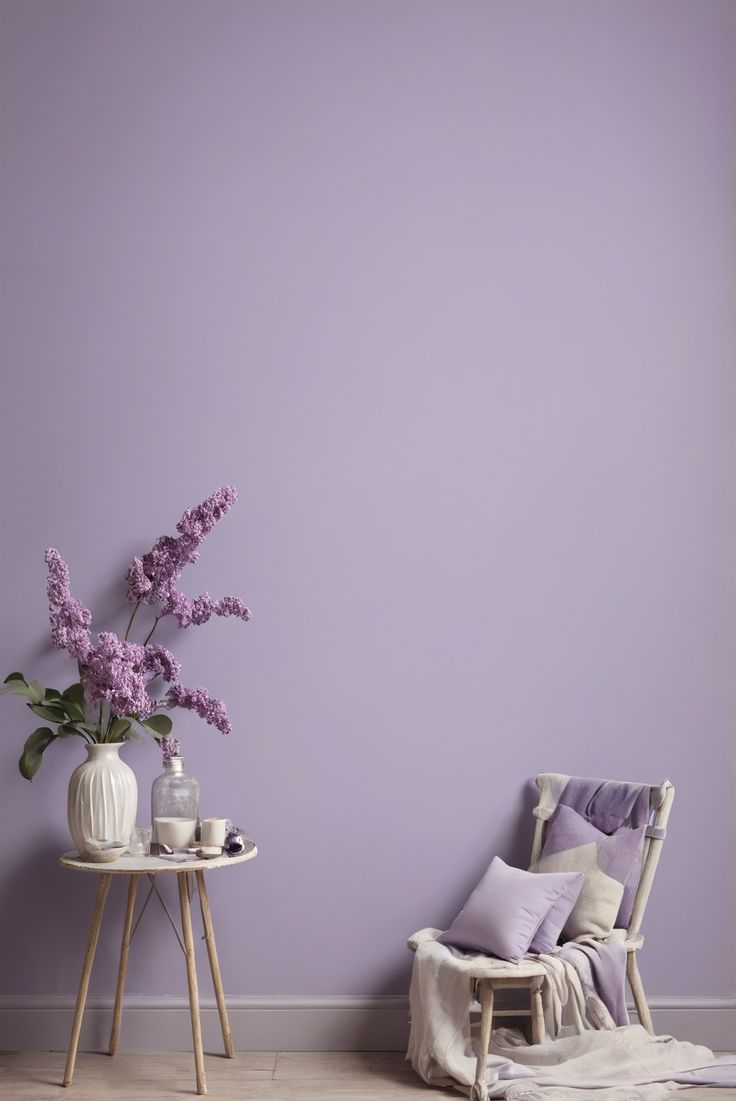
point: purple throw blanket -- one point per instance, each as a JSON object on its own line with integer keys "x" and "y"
{"x": 608, "y": 805}
{"x": 606, "y": 965}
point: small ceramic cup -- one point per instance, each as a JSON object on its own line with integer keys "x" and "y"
{"x": 177, "y": 833}
{"x": 213, "y": 831}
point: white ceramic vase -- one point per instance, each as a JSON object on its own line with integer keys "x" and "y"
{"x": 103, "y": 799}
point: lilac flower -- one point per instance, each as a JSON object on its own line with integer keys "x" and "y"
{"x": 232, "y": 605}
{"x": 203, "y": 607}
{"x": 70, "y": 620}
{"x": 180, "y": 606}
{"x": 160, "y": 662}
{"x": 170, "y": 746}
{"x": 151, "y": 579}
{"x": 118, "y": 671}
{"x": 198, "y": 699}
{"x": 138, "y": 584}
{"x": 121, "y": 672}
{"x": 199, "y": 521}
{"x": 114, "y": 672}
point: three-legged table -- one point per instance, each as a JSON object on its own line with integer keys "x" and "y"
{"x": 136, "y": 867}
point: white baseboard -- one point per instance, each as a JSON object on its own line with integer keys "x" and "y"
{"x": 702, "y": 1020}
{"x": 290, "y": 1023}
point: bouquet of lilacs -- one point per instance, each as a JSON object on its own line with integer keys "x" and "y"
{"x": 111, "y": 700}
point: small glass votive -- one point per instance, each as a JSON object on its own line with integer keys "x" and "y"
{"x": 140, "y": 841}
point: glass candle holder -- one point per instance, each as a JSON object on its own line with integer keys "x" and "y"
{"x": 140, "y": 841}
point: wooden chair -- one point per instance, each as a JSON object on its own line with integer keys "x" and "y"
{"x": 528, "y": 973}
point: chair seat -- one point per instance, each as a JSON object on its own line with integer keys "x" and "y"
{"x": 490, "y": 968}
{"x": 480, "y": 966}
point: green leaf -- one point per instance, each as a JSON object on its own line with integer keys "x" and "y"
{"x": 17, "y": 688}
{"x": 52, "y": 714}
{"x": 118, "y": 729}
{"x": 30, "y": 758}
{"x": 67, "y": 729}
{"x": 91, "y": 728}
{"x": 52, "y": 694}
{"x": 158, "y": 725}
{"x": 38, "y": 691}
{"x": 74, "y": 692}
{"x": 72, "y": 699}
{"x": 14, "y": 676}
{"x": 73, "y": 709}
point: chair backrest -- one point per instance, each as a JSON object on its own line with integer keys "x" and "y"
{"x": 551, "y": 786}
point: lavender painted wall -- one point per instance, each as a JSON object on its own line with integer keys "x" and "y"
{"x": 445, "y": 289}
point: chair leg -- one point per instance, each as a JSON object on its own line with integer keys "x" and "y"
{"x": 637, "y": 989}
{"x": 535, "y": 993}
{"x": 480, "y": 1089}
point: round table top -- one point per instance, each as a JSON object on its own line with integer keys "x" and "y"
{"x": 153, "y": 865}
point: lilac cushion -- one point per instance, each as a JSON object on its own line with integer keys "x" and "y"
{"x": 505, "y": 911}
{"x": 548, "y": 934}
{"x": 572, "y": 844}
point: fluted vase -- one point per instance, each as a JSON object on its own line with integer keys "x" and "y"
{"x": 103, "y": 799}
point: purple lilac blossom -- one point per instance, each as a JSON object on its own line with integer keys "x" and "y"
{"x": 160, "y": 662}
{"x": 211, "y": 710}
{"x": 232, "y": 606}
{"x": 70, "y": 620}
{"x": 151, "y": 579}
{"x": 118, "y": 671}
{"x": 200, "y": 609}
{"x": 138, "y": 583}
{"x": 170, "y": 747}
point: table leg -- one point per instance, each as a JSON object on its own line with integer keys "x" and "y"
{"x": 122, "y": 969}
{"x": 102, "y": 888}
{"x": 186, "y": 924}
{"x": 209, "y": 936}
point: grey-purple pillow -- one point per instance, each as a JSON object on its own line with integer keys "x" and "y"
{"x": 572, "y": 844}
{"x": 505, "y": 911}
{"x": 548, "y": 934}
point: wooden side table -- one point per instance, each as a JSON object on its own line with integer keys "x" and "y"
{"x": 136, "y": 867}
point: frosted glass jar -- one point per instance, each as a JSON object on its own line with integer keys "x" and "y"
{"x": 175, "y": 800}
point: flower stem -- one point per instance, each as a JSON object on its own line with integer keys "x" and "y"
{"x": 130, "y": 621}
{"x": 148, "y": 636}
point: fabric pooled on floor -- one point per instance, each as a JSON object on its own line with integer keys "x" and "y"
{"x": 591, "y": 1060}
{"x": 625, "y": 1064}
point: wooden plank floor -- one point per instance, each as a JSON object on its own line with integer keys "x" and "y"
{"x": 250, "y": 1076}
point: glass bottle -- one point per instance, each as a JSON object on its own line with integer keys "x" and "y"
{"x": 174, "y": 806}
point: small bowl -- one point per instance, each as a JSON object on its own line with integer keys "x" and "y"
{"x": 104, "y": 852}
